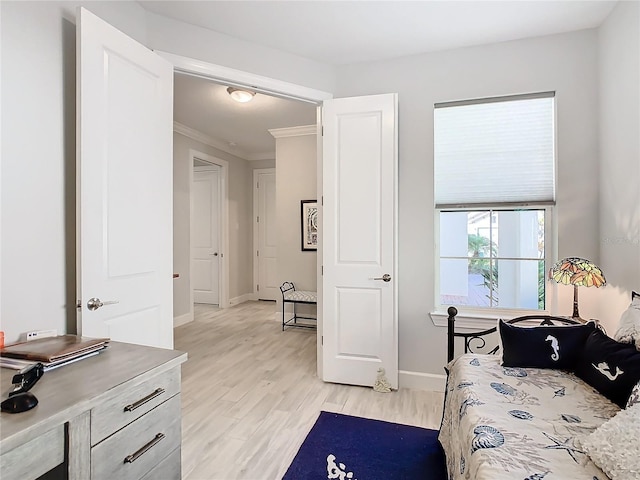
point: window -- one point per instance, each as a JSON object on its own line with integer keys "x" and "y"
{"x": 494, "y": 190}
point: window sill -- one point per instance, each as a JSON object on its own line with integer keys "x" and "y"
{"x": 480, "y": 321}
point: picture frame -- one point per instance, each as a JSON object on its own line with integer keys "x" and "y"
{"x": 309, "y": 224}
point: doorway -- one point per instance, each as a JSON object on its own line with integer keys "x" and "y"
{"x": 209, "y": 230}
{"x": 274, "y": 88}
{"x": 205, "y": 217}
{"x": 265, "y": 234}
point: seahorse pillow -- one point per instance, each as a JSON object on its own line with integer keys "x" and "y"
{"x": 611, "y": 367}
{"x": 544, "y": 346}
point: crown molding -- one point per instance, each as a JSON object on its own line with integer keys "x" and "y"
{"x": 262, "y": 156}
{"x": 198, "y": 136}
{"x": 294, "y": 131}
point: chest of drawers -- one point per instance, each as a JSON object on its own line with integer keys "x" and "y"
{"x": 115, "y": 415}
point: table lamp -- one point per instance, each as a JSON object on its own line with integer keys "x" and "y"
{"x": 579, "y": 273}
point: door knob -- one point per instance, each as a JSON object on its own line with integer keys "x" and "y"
{"x": 385, "y": 278}
{"x": 95, "y": 303}
{"x": 215, "y": 254}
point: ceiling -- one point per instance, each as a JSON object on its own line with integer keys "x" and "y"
{"x": 343, "y": 32}
{"x": 241, "y": 129}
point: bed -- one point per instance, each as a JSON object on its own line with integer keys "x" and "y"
{"x": 519, "y": 423}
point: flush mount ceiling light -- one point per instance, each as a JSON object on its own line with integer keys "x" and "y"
{"x": 240, "y": 95}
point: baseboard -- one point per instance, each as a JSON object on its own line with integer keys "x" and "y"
{"x": 422, "y": 381}
{"x": 247, "y": 297}
{"x": 182, "y": 319}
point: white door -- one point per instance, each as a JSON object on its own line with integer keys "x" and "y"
{"x": 125, "y": 224}
{"x": 206, "y": 235}
{"x": 266, "y": 252}
{"x": 360, "y": 326}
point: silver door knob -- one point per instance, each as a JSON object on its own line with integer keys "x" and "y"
{"x": 95, "y": 303}
{"x": 385, "y": 278}
{"x": 215, "y": 254}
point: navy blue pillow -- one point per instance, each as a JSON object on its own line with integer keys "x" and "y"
{"x": 611, "y": 367}
{"x": 544, "y": 346}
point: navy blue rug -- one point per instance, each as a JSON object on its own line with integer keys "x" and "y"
{"x": 353, "y": 448}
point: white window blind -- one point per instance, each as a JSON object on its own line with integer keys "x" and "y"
{"x": 495, "y": 151}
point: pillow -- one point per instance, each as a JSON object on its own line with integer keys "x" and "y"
{"x": 611, "y": 445}
{"x": 635, "y": 396}
{"x": 543, "y": 347}
{"x": 629, "y": 327}
{"x": 611, "y": 367}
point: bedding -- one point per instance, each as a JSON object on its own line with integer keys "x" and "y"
{"x": 506, "y": 423}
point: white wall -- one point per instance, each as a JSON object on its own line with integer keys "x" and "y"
{"x": 38, "y": 159}
{"x": 180, "y": 38}
{"x": 619, "y": 90}
{"x": 295, "y": 181}
{"x": 240, "y": 194}
{"x": 564, "y": 63}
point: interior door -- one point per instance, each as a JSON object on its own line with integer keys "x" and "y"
{"x": 124, "y": 152}
{"x": 360, "y": 328}
{"x": 206, "y": 234}
{"x": 268, "y": 288}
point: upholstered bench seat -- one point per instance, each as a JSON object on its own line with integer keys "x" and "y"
{"x": 301, "y": 296}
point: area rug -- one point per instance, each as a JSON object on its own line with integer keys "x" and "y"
{"x": 353, "y": 448}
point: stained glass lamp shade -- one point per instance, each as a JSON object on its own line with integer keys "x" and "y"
{"x": 579, "y": 273}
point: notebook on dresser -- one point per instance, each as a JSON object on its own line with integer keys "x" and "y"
{"x": 54, "y": 350}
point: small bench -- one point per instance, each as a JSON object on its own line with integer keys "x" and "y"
{"x": 291, "y": 295}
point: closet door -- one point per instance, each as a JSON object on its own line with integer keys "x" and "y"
{"x": 125, "y": 187}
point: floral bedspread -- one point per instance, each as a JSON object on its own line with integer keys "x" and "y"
{"x": 518, "y": 424}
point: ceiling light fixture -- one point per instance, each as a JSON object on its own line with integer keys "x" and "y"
{"x": 240, "y": 95}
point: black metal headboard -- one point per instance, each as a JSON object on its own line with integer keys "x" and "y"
{"x": 477, "y": 336}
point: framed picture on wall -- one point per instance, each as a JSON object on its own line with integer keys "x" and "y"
{"x": 309, "y": 224}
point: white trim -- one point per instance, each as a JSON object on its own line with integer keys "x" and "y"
{"x": 261, "y": 156}
{"x": 238, "y": 78}
{"x": 198, "y": 136}
{"x": 224, "y": 224}
{"x": 319, "y": 253}
{"x": 183, "y": 319}
{"x": 294, "y": 131}
{"x": 476, "y": 321}
{"x": 422, "y": 381}
{"x": 247, "y": 297}
{"x": 473, "y": 322}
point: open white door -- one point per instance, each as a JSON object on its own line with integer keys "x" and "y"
{"x": 360, "y": 328}
{"x": 125, "y": 224}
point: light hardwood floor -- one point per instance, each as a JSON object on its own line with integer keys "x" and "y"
{"x": 250, "y": 394}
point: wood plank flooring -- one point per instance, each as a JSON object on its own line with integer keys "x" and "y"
{"x": 250, "y": 394}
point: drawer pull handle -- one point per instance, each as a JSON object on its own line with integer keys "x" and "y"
{"x": 142, "y": 401}
{"x": 133, "y": 457}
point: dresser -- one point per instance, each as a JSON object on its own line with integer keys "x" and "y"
{"x": 114, "y": 415}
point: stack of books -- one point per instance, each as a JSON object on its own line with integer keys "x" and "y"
{"x": 52, "y": 352}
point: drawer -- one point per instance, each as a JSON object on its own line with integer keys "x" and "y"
{"x": 168, "y": 469}
{"x": 132, "y": 452}
{"x": 125, "y": 406}
{"x": 32, "y": 459}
